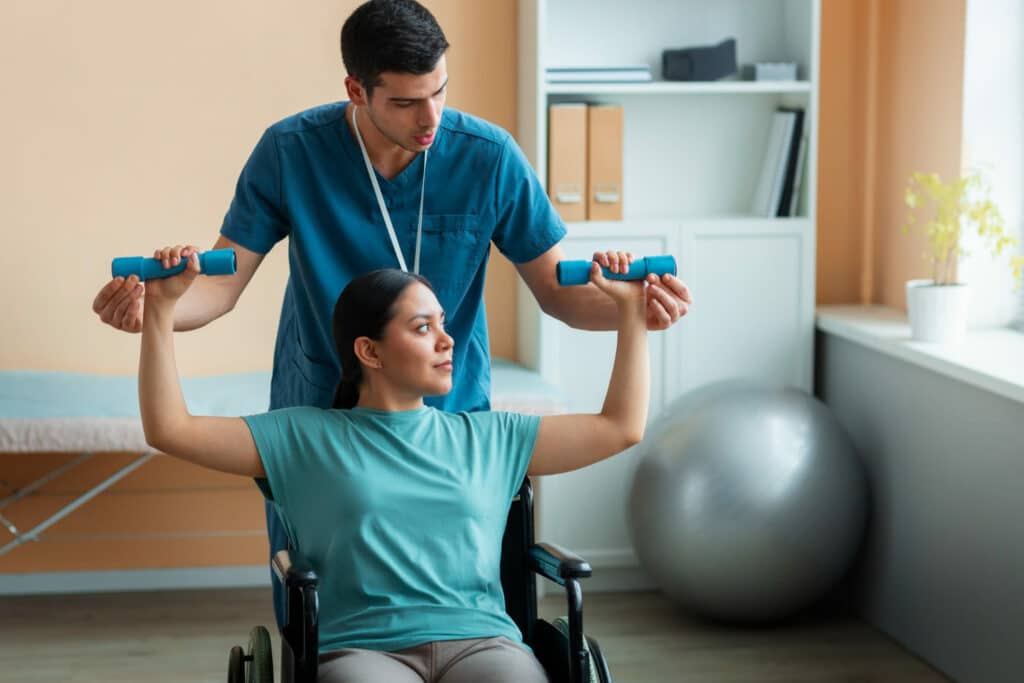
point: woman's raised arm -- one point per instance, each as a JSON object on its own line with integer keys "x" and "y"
{"x": 568, "y": 442}
{"x": 219, "y": 443}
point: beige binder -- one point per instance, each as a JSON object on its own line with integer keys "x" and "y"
{"x": 567, "y": 160}
{"x": 604, "y": 162}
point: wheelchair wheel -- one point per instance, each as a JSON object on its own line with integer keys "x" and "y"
{"x": 236, "y": 665}
{"x": 260, "y": 656}
{"x": 598, "y": 662}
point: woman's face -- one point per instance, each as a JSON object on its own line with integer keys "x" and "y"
{"x": 415, "y": 351}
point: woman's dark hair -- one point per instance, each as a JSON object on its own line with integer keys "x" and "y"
{"x": 364, "y": 308}
{"x": 390, "y": 35}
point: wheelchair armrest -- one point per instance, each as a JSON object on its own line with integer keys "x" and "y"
{"x": 557, "y": 564}
{"x": 300, "y": 632}
{"x": 293, "y": 569}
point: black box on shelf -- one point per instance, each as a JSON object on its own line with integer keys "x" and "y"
{"x": 707, "y": 63}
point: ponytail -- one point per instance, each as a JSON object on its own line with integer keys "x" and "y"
{"x": 347, "y": 394}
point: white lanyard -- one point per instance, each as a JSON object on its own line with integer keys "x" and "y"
{"x": 384, "y": 208}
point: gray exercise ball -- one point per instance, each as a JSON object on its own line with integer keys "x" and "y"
{"x": 748, "y": 503}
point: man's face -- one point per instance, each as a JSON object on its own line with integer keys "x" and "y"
{"x": 406, "y": 109}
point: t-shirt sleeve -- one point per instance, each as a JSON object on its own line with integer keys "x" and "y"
{"x": 514, "y": 435}
{"x": 269, "y": 431}
{"x": 527, "y": 224}
{"x": 256, "y": 218}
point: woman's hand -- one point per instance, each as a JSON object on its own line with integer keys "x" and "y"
{"x": 625, "y": 293}
{"x": 169, "y": 289}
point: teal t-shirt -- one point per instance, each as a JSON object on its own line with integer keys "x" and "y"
{"x": 306, "y": 181}
{"x": 401, "y": 514}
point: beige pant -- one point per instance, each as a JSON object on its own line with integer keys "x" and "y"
{"x": 442, "y": 661}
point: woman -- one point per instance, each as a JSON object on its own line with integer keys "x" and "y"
{"x": 399, "y": 507}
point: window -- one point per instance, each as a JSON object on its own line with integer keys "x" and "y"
{"x": 993, "y": 140}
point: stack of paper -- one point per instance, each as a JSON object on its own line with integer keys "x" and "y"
{"x": 599, "y": 74}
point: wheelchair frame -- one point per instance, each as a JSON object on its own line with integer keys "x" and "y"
{"x": 566, "y": 653}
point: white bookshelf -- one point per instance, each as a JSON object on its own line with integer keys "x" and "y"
{"x": 692, "y": 156}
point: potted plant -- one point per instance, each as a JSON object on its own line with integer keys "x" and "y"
{"x": 937, "y": 306}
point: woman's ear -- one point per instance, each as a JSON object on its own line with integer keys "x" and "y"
{"x": 366, "y": 352}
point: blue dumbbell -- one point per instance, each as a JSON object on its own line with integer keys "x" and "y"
{"x": 578, "y": 272}
{"x": 213, "y": 262}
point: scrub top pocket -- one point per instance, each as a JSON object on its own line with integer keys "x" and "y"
{"x": 454, "y": 248}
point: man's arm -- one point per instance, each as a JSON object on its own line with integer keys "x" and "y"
{"x": 585, "y": 307}
{"x": 120, "y": 303}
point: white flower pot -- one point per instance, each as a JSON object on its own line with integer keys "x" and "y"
{"x": 938, "y": 313}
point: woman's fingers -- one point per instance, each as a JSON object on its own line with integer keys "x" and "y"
{"x": 614, "y": 261}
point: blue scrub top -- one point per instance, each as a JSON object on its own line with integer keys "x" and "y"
{"x": 306, "y": 180}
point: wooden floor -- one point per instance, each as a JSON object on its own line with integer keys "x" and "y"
{"x": 185, "y": 636}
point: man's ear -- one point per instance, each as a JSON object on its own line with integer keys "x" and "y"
{"x": 366, "y": 351}
{"x": 356, "y": 91}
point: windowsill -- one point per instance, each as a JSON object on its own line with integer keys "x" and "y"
{"x": 991, "y": 359}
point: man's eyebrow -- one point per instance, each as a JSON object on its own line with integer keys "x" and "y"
{"x": 416, "y": 99}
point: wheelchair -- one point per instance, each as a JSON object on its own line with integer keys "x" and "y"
{"x": 565, "y": 652}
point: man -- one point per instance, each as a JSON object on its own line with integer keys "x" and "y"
{"x": 388, "y": 179}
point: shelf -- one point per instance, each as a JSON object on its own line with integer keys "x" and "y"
{"x": 738, "y": 219}
{"x": 680, "y": 88}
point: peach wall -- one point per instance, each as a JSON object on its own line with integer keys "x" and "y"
{"x": 125, "y": 126}
{"x": 890, "y": 103}
{"x": 840, "y": 151}
{"x": 919, "y": 126}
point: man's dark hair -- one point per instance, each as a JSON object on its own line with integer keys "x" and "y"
{"x": 390, "y": 35}
{"x": 364, "y": 309}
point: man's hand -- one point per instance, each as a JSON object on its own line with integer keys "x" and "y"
{"x": 668, "y": 297}
{"x": 668, "y": 300}
{"x": 119, "y": 303}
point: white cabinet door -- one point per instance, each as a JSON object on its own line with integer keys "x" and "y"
{"x": 585, "y": 510}
{"x": 753, "y": 283}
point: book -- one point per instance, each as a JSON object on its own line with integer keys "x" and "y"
{"x": 798, "y": 180}
{"x": 773, "y": 165}
{"x": 792, "y": 155}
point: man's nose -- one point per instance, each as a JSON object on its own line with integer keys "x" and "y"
{"x": 430, "y": 114}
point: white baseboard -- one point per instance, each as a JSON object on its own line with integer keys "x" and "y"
{"x": 243, "y": 576}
